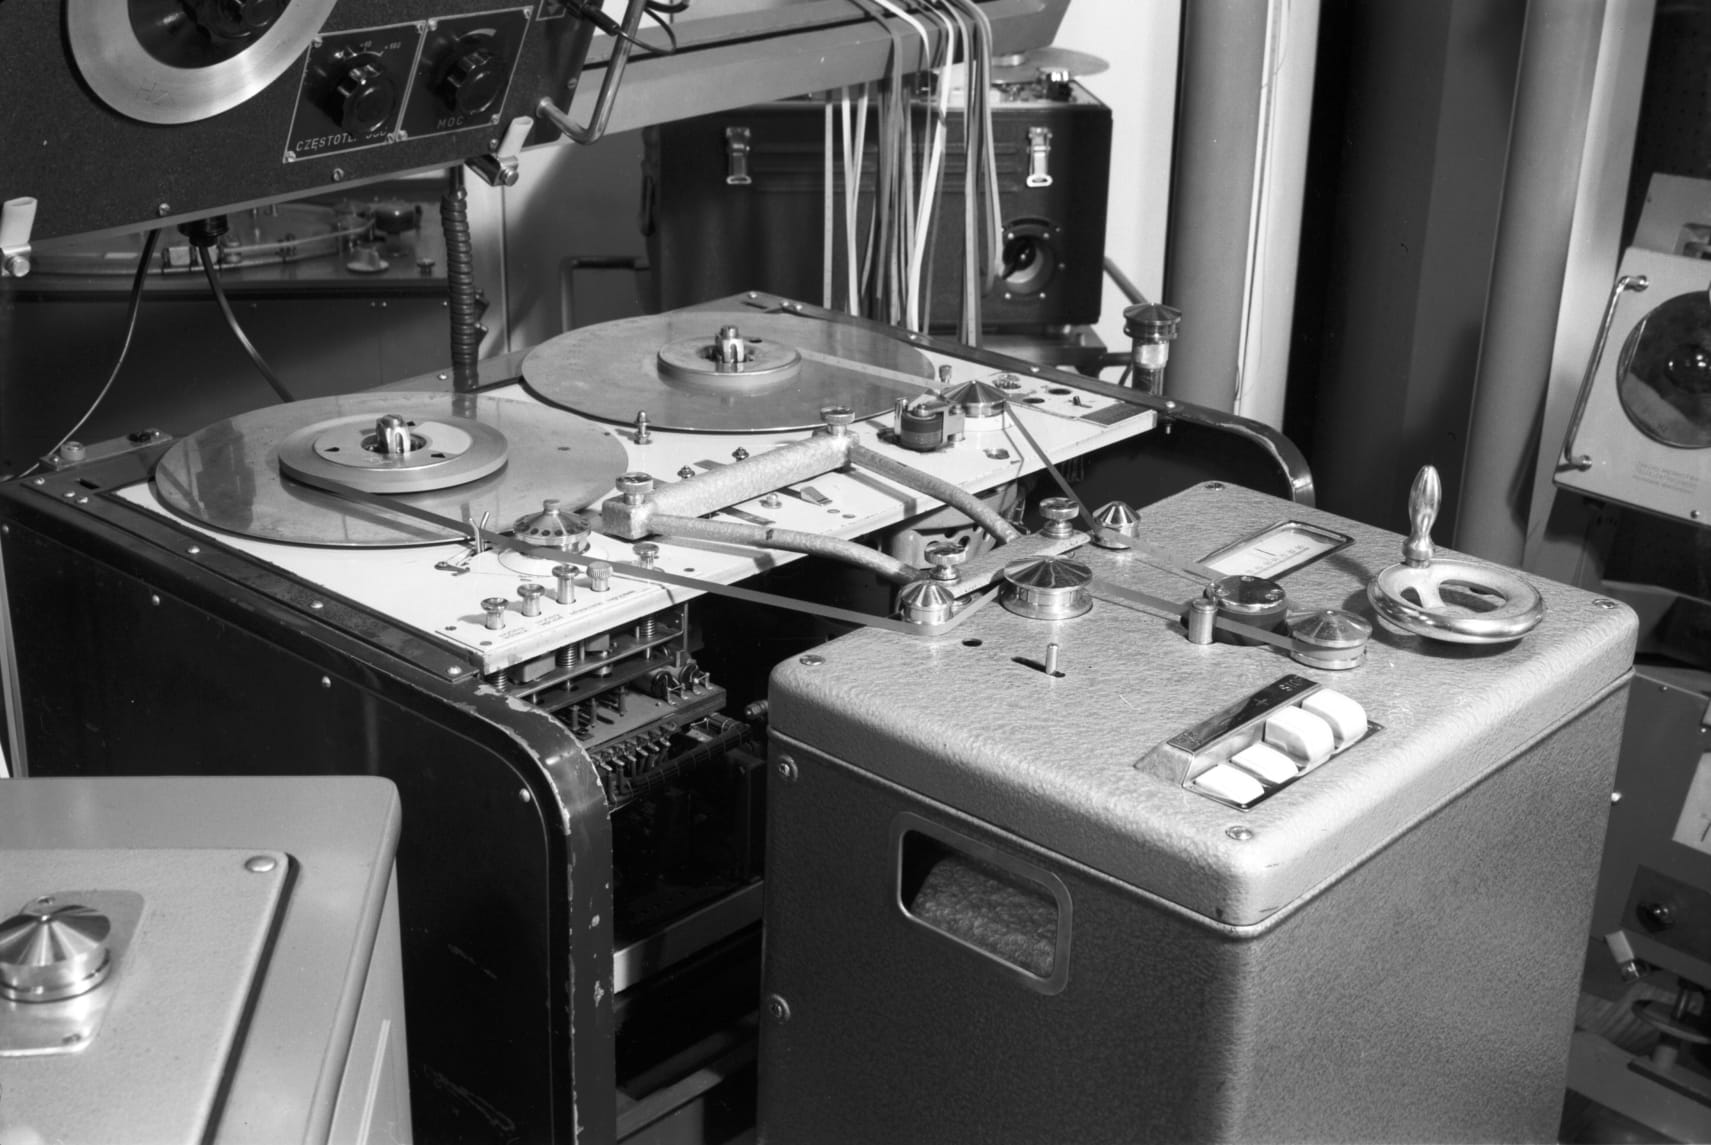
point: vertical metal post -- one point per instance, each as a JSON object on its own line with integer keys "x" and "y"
{"x": 1212, "y": 190}
{"x": 1547, "y": 134}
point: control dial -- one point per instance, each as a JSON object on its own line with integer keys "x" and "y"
{"x": 474, "y": 80}
{"x": 365, "y": 97}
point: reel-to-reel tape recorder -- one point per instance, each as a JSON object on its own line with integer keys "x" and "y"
{"x": 549, "y": 611}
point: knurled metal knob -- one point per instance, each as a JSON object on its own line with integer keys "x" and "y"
{"x": 1058, "y": 512}
{"x": 531, "y": 594}
{"x": 838, "y": 420}
{"x": 636, "y": 487}
{"x": 49, "y": 952}
{"x": 647, "y": 554}
{"x": 945, "y": 556}
{"x": 600, "y": 576}
{"x": 494, "y": 607}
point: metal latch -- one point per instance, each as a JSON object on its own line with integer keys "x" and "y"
{"x": 737, "y": 157}
{"x": 17, "y": 220}
{"x": 500, "y": 168}
{"x": 1039, "y": 154}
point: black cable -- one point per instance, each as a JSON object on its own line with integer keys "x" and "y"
{"x": 460, "y": 275}
{"x": 210, "y": 267}
{"x": 135, "y": 305}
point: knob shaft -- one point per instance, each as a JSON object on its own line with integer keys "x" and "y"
{"x": 365, "y": 98}
{"x": 473, "y": 82}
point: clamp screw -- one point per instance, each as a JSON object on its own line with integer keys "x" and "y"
{"x": 635, "y": 487}
{"x": 1058, "y": 512}
{"x": 945, "y": 556}
{"x": 647, "y": 554}
{"x": 600, "y": 576}
{"x": 838, "y": 420}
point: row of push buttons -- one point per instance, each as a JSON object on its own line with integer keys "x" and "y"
{"x": 1293, "y": 741}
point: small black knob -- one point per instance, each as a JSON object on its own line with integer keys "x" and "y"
{"x": 473, "y": 82}
{"x": 365, "y": 98}
{"x": 1656, "y": 915}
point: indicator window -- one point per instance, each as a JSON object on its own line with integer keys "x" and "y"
{"x": 1277, "y": 550}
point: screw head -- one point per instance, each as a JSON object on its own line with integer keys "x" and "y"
{"x": 1240, "y": 834}
{"x": 786, "y": 769}
{"x": 812, "y": 660}
{"x": 686, "y": 473}
{"x": 1604, "y": 602}
{"x": 777, "y": 1008}
{"x": 524, "y": 796}
{"x": 635, "y": 486}
{"x": 740, "y": 454}
{"x": 1615, "y": 797}
{"x": 260, "y": 864}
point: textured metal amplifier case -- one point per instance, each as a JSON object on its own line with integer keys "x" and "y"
{"x": 998, "y": 908}
{"x": 201, "y": 959}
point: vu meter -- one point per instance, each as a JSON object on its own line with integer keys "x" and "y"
{"x": 1277, "y": 550}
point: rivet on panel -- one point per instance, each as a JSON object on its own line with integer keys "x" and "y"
{"x": 260, "y": 864}
{"x": 154, "y": 598}
{"x": 812, "y": 660}
{"x": 326, "y": 681}
{"x": 316, "y": 605}
{"x": 1615, "y": 797}
{"x": 523, "y": 794}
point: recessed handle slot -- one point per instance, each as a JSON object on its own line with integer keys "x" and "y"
{"x": 1012, "y": 913}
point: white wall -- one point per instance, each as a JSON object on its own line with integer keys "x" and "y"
{"x": 1138, "y": 38}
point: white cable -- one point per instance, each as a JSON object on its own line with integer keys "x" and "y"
{"x": 828, "y": 209}
{"x": 930, "y": 177}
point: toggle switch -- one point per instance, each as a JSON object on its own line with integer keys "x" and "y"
{"x": 1346, "y": 717}
{"x": 1263, "y": 761}
{"x": 1304, "y": 737}
{"x": 1230, "y": 784}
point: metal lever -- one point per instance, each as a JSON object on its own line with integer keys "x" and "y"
{"x": 17, "y": 220}
{"x": 1409, "y": 596}
{"x": 500, "y": 168}
{"x": 737, "y": 148}
{"x": 623, "y": 41}
{"x": 1637, "y": 283}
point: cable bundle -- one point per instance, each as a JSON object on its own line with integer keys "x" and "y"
{"x": 892, "y": 278}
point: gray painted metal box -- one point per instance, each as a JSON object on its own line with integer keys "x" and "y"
{"x": 1386, "y": 949}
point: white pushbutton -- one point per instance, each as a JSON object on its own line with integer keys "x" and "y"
{"x": 1346, "y": 717}
{"x": 1229, "y": 783}
{"x": 1303, "y": 736}
{"x": 1267, "y": 763}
